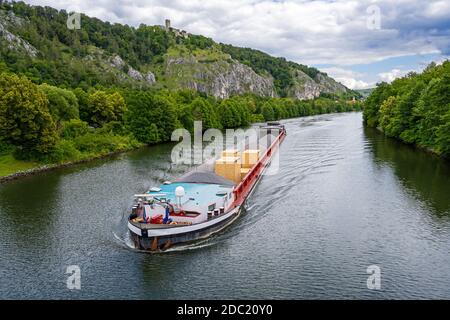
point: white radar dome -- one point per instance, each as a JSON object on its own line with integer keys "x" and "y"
{"x": 179, "y": 191}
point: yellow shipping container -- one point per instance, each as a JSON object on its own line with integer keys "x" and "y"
{"x": 229, "y": 168}
{"x": 230, "y": 153}
{"x": 249, "y": 158}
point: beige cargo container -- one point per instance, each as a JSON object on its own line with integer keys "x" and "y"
{"x": 229, "y": 168}
{"x": 249, "y": 158}
{"x": 230, "y": 153}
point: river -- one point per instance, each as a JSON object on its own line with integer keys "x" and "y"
{"x": 345, "y": 198}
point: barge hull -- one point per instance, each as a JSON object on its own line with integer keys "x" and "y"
{"x": 163, "y": 242}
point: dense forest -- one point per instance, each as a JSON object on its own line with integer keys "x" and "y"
{"x": 414, "y": 109}
{"x": 57, "y": 107}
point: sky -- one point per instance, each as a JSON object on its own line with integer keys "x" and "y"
{"x": 359, "y": 43}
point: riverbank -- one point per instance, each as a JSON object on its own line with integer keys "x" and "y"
{"x": 9, "y": 166}
{"x": 11, "y": 169}
{"x": 425, "y": 149}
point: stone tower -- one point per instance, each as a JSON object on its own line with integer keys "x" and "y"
{"x": 167, "y": 24}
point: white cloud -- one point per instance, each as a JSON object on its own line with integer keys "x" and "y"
{"x": 348, "y": 78}
{"x": 354, "y": 84}
{"x": 392, "y": 75}
{"x": 438, "y": 9}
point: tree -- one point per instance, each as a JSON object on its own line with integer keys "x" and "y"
{"x": 25, "y": 120}
{"x": 279, "y": 110}
{"x": 164, "y": 114}
{"x": 3, "y": 67}
{"x": 387, "y": 116}
{"x": 373, "y": 103}
{"x": 74, "y": 128}
{"x": 267, "y": 111}
{"x": 151, "y": 117}
{"x": 202, "y": 110}
{"x": 138, "y": 117}
{"x": 443, "y": 134}
{"x": 63, "y": 104}
{"x": 104, "y": 107}
{"x": 185, "y": 117}
{"x": 432, "y": 106}
{"x": 185, "y": 96}
{"x": 229, "y": 114}
{"x": 83, "y": 104}
{"x": 241, "y": 110}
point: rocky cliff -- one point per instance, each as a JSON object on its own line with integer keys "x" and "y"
{"x": 13, "y": 42}
{"x": 306, "y": 88}
{"x": 220, "y": 76}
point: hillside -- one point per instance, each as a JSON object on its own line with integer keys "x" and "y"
{"x": 365, "y": 92}
{"x": 35, "y": 41}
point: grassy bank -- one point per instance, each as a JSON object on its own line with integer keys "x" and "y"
{"x": 78, "y": 148}
{"x": 11, "y": 168}
{"x": 9, "y": 165}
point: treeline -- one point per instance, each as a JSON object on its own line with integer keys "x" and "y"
{"x": 54, "y": 125}
{"x": 414, "y": 109}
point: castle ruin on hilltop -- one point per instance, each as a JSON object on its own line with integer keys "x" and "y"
{"x": 178, "y": 32}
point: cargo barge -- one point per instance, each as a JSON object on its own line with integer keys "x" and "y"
{"x": 203, "y": 202}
